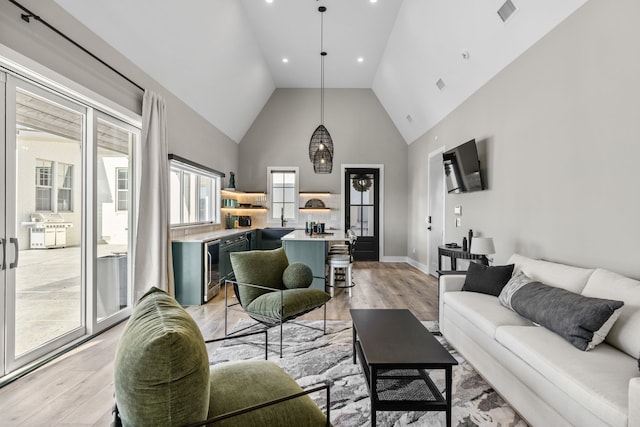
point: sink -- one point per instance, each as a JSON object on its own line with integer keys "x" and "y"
{"x": 275, "y": 233}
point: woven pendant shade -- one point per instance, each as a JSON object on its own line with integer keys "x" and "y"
{"x": 320, "y": 139}
{"x": 322, "y": 161}
{"x": 321, "y": 144}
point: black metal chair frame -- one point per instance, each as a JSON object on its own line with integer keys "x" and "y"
{"x": 117, "y": 422}
{"x": 266, "y": 321}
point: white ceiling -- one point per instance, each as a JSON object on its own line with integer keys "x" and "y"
{"x": 224, "y": 57}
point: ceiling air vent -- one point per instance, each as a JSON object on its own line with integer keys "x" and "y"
{"x": 440, "y": 84}
{"x": 506, "y": 10}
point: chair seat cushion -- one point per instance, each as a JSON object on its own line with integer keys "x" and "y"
{"x": 241, "y": 384}
{"x": 294, "y": 301}
{"x": 161, "y": 365}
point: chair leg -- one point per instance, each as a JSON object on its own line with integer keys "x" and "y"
{"x": 280, "y": 339}
{"x": 226, "y": 308}
{"x": 324, "y": 329}
{"x": 332, "y": 280}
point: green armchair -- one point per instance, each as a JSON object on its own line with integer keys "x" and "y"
{"x": 163, "y": 378}
{"x": 272, "y": 291}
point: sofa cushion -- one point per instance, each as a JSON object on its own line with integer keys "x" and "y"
{"x": 597, "y": 380}
{"x": 482, "y": 310}
{"x": 487, "y": 279}
{"x": 259, "y": 382}
{"x": 582, "y": 321}
{"x": 624, "y": 333}
{"x": 297, "y": 275}
{"x": 563, "y": 276}
{"x": 294, "y": 301}
{"x": 262, "y": 268}
{"x": 161, "y": 365}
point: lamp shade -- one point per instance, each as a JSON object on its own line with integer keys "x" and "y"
{"x": 320, "y": 140}
{"x": 322, "y": 161}
{"x": 482, "y": 246}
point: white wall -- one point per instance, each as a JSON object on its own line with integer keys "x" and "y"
{"x": 362, "y": 133}
{"x": 559, "y": 142}
{"x": 190, "y": 135}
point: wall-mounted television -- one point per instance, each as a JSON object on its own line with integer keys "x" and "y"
{"x": 462, "y": 168}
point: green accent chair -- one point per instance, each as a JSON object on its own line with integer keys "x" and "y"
{"x": 272, "y": 291}
{"x": 163, "y": 378}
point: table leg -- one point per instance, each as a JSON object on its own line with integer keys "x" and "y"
{"x": 372, "y": 392}
{"x": 353, "y": 328}
{"x": 448, "y": 382}
{"x": 453, "y": 263}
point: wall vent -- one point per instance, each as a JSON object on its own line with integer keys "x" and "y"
{"x": 440, "y": 84}
{"x": 506, "y": 10}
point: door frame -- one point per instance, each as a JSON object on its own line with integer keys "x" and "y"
{"x": 431, "y": 155}
{"x": 380, "y": 167}
{"x": 3, "y": 224}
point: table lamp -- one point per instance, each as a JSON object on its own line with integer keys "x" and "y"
{"x": 483, "y": 246}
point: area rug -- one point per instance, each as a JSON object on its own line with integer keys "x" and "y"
{"x": 312, "y": 358}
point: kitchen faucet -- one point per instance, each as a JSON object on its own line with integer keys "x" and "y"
{"x": 283, "y": 221}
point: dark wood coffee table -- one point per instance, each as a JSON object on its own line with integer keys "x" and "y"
{"x": 394, "y": 349}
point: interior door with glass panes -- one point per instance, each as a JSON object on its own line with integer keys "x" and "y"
{"x": 361, "y": 216}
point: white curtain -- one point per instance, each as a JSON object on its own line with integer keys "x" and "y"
{"x": 153, "y": 266}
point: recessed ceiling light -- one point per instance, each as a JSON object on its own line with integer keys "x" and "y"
{"x": 373, "y": 1}
{"x": 285, "y": 60}
{"x": 269, "y": 1}
{"x": 360, "y": 59}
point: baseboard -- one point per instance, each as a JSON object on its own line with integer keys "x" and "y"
{"x": 394, "y": 259}
{"x": 419, "y": 266}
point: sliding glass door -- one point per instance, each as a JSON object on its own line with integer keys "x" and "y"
{"x": 44, "y": 286}
{"x": 113, "y": 206}
{"x": 66, "y": 220}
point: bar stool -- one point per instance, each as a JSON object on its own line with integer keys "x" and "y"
{"x": 340, "y": 262}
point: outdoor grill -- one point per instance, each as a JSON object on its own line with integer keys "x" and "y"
{"x": 47, "y": 231}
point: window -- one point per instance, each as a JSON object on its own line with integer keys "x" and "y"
{"x": 283, "y": 188}
{"x": 122, "y": 189}
{"x": 195, "y": 193}
{"x": 43, "y": 185}
{"x": 65, "y": 187}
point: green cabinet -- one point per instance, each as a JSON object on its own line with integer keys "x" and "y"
{"x": 270, "y": 238}
{"x": 195, "y": 271}
{"x": 234, "y": 243}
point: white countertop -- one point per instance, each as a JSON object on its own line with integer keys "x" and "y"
{"x": 329, "y": 235}
{"x": 212, "y": 235}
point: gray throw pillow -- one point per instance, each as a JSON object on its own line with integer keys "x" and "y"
{"x": 582, "y": 321}
{"x": 485, "y": 279}
{"x": 513, "y": 285}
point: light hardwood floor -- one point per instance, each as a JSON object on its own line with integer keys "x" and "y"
{"x": 77, "y": 388}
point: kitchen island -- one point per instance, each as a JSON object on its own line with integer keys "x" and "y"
{"x": 311, "y": 250}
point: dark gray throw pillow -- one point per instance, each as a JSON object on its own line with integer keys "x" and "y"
{"x": 578, "y": 319}
{"x": 486, "y": 279}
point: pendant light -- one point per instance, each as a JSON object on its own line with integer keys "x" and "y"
{"x": 321, "y": 144}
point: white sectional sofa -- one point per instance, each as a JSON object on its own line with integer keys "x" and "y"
{"x": 545, "y": 378}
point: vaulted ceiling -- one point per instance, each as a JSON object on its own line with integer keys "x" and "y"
{"x": 224, "y": 58}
